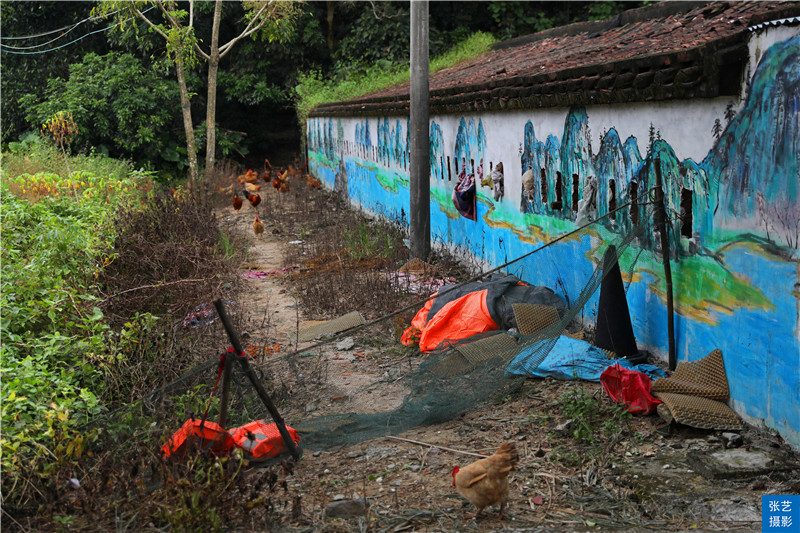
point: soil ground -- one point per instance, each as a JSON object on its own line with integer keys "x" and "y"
{"x": 642, "y": 480}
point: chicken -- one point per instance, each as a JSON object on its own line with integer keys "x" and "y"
{"x": 251, "y": 176}
{"x": 250, "y": 187}
{"x": 485, "y": 482}
{"x": 313, "y": 182}
{"x": 253, "y": 198}
{"x": 258, "y": 226}
{"x": 237, "y": 202}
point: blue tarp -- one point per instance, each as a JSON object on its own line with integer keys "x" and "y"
{"x": 572, "y": 359}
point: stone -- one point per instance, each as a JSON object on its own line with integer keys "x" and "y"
{"x": 346, "y": 344}
{"x": 565, "y": 426}
{"x": 740, "y": 463}
{"x": 732, "y": 440}
{"x": 347, "y": 508}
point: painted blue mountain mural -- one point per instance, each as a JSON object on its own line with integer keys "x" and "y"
{"x": 615, "y": 164}
{"x": 437, "y": 160}
{"x": 576, "y": 153}
{"x": 470, "y": 146}
{"x": 757, "y": 159}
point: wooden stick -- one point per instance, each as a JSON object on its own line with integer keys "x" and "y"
{"x": 661, "y": 221}
{"x": 237, "y": 346}
{"x": 226, "y": 387}
{"x": 157, "y": 285}
{"x": 437, "y": 446}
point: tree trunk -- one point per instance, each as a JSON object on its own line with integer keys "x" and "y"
{"x": 211, "y": 105}
{"x": 186, "y": 110}
{"x": 331, "y": 6}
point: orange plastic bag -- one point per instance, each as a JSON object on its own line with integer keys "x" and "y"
{"x": 629, "y": 387}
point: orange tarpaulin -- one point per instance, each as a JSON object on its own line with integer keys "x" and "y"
{"x": 458, "y": 319}
{"x": 461, "y": 311}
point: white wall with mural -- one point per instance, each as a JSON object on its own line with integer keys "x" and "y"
{"x": 731, "y": 170}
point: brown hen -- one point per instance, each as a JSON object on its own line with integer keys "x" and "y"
{"x": 485, "y": 482}
{"x": 258, "y": 226}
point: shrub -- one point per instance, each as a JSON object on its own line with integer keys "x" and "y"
{"x": 131, "y": 108}
{"x": 52, "y": 330}
{"x": 165, "y": 254}
{"x": 31, "y": 155}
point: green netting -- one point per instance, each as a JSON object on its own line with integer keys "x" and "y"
{"x": 331, "y": 408}
{"x": 455, "y": 378}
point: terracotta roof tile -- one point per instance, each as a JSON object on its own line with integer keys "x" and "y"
{"x": 667, "y": 51}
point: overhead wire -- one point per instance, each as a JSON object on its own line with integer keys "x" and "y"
{"x": 15, "y": 49}
{"x": 44, "y": 43}
{"x": 71, "y": 27}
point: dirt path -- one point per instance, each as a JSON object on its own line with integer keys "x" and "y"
{"x": 646, "y": 481}
{"x": 266, "y": 296}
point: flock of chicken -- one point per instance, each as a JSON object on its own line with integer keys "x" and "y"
{"x": 485, "y": 482}
{"x": 280, "y": 182}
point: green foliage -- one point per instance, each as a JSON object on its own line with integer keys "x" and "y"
{"x": 605, "y": 9}
{"x": 52, "y": 330}
{"x": 312, "y": 90}
{"x": 33, "y": 156}
{"x": 370, "y": 41}
{"x": 518, "y": 18}
{"x": 130, "y": 107}
{"x": 364, "y": 242}
{"x": 26, "y": 70}
{"x": 592, "y": 420}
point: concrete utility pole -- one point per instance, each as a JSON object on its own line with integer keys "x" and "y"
{"x": 420, "y": 188}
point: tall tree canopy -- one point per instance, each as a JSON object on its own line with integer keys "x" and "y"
{"x": 256, "y": 74}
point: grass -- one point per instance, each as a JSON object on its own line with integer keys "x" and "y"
{"x": 313, "y": 90}
{"x": 34, "y": 156}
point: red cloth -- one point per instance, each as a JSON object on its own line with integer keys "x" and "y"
{"x": 629, "y": 387}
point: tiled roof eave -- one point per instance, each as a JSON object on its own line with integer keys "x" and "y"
{"x": 673, "y": 75}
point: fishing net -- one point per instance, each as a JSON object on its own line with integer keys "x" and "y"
{"x": 337, "y": 396}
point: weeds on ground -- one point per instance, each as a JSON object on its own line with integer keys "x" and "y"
{"x": 597, "y": 427}
{"x": 346, "y": 259}
{"x": 33, "y": 155}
